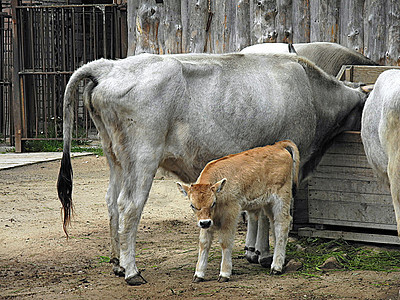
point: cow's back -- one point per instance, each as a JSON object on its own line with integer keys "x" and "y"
{"x": 328, "y": 56}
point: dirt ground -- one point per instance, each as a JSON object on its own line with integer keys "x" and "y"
{"x": 37, "y": 261}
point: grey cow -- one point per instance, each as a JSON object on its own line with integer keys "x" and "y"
{"x": 380, "y": 133}
{"x": 328, "y": 56}
{"x": 182, "y": 111}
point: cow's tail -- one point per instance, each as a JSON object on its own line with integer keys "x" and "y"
{"x": 294, "y": 151}
{"x": 91, "y": 71}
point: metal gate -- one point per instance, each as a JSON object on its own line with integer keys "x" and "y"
{"x": 53, "y": 41}
{"x": 6, "y": 65}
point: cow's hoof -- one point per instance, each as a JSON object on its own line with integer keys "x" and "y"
{"x": 252, "y": 258}
{"x": 117, "y": 269}
{"x": 266, "y": 262}
{"x": 136, "y": 280}
{"x": 275, "y": 272}
{"x": 198, "y": 279}
{"x": 223, "y": 279}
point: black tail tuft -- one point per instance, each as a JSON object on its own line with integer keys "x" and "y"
{"x": 64, "y": 188}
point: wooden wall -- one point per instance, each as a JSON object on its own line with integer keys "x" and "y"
{"x": 371, "y": 27}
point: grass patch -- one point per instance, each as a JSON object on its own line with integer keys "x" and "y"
{"x": 350, "y": 256}
{"x": 103, "y": 259}
{"x": 57, "y": 146}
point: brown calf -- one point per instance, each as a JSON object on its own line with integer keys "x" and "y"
{"x": 257, "y": 179}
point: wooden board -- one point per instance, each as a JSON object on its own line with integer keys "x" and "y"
{"x": 364, "y": 74}
{"x": 350, "y": 236}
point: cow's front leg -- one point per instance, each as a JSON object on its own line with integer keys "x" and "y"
{"x": 205, "y": 239}
{"x": 226, "y": 242}
{"x": 251, "y": 237}
{"x": 262, "y": 244}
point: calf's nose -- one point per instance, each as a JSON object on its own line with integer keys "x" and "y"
{"x": 205, "y": 223}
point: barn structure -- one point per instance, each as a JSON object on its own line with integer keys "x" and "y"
{"x": 43, "y": 42}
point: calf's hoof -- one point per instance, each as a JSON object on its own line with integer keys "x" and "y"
{"x": 197, "y": 279}
{"x": 265, "y": 262}
{"x": 136, "y": 280}
{"x": 223, "y": 279}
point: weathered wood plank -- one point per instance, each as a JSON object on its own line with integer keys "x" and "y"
{"x": 350, "y": 236}
{"x": 242, "y": 25}
{"x": 324, "y": 24}
{"x": 369, "y": 74}
{"x": 301, "y": 21}
{"x": 198, "y": 17}
{"x": 170, "y": 27}
{"x": 346, "y": 148}
{"x": 262, "y": 21}
{"x": 348, "y": 185}
{"x": 393, "y": 33}
{"x": 351, "y": 24}
{"x": 345, "y": 160}
{"x": 375, "y": 30}
{"x": 335, "y": 172}
{"x": 335, "y": 197}
{"x": 360, "y": 214}
{"x": 283, "y": 21}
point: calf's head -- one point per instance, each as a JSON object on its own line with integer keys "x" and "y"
{"x": 203, "y": 198}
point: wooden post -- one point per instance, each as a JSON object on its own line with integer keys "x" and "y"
{"x": 15, "y": 81}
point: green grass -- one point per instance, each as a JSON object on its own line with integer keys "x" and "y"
{"x": 57, "y": 146}
{"x": 350, "y": 256}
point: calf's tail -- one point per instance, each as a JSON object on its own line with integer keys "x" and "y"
{"x": 294, "y": 151}
{"x": 90, "y": 71}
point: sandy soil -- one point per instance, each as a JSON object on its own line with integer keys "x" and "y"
{"x": 37, "y": 261}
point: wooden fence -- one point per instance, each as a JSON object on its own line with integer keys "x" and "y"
{"x": 371, "y": 27}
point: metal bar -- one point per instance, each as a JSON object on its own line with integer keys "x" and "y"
{"x": 54, "y": 139}
{"x": 64, "y": 6}
{"x": 16, "y": 93}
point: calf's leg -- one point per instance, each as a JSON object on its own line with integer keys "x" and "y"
{"x": 281, "y": 224}
{"x": 205, "y": 239}
{"x": 262, "y": 244}
{"x": 226, "y": 241}
{"x": 251, "y": 237}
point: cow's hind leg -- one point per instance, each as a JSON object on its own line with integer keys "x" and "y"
{"x": 139, "y": 169}
{"x": 251, "y": 237}
{"x": 113, "y": 192}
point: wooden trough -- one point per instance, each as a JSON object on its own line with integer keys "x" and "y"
{"x": 343, "y": 198}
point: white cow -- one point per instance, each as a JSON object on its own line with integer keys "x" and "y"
{"x": 380, "y": 133}
{"x": 182, "y": 111}
{"x": 257, "y": 179}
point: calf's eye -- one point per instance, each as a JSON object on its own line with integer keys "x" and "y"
{"x": 193, "y": 207}
{"x": 212, "y": 205}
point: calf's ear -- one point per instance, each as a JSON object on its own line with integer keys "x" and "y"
{"x": 216, "y": 188}
{"x": 183, "y": 188}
